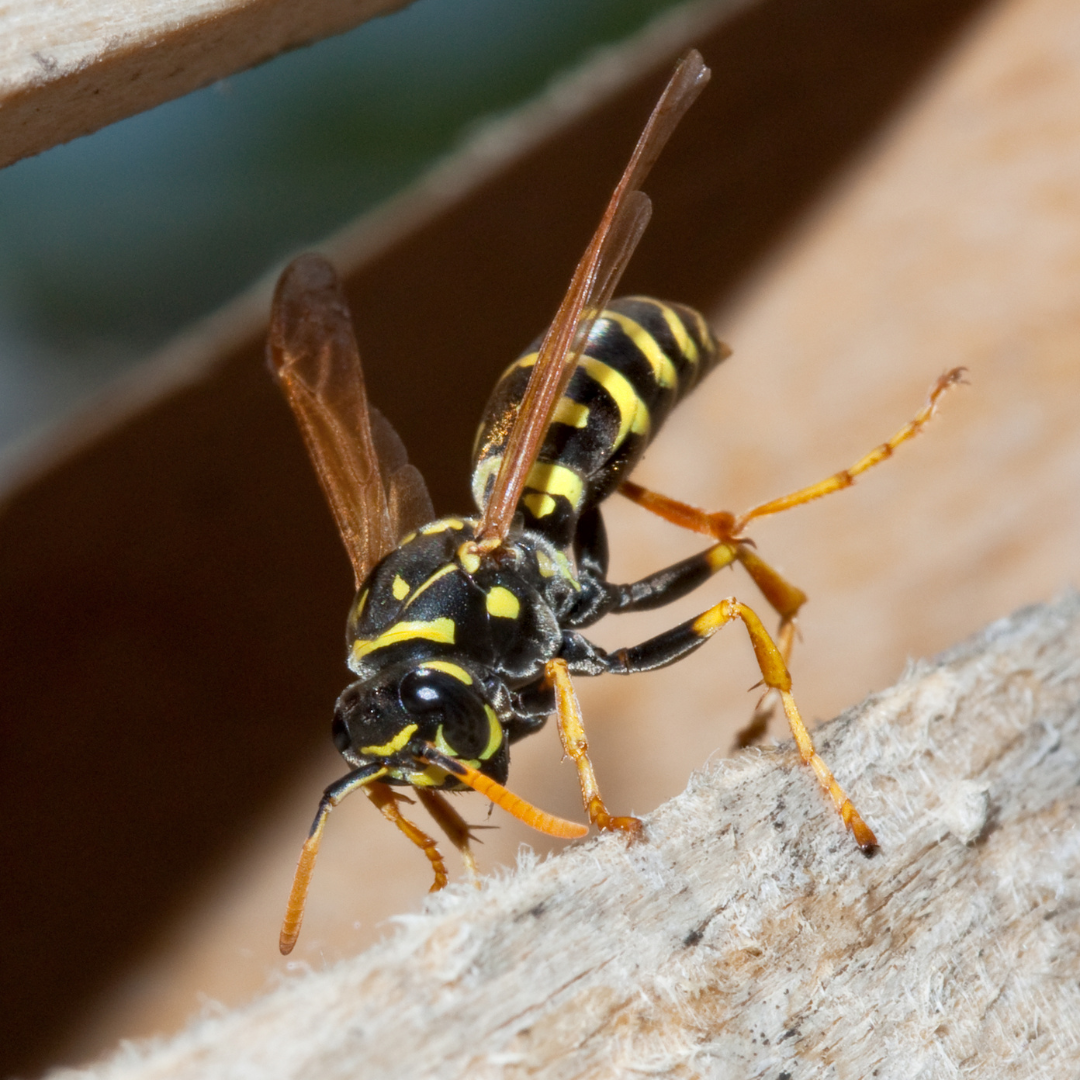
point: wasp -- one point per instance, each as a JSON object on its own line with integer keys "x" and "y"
{"x": 465, "y": 632}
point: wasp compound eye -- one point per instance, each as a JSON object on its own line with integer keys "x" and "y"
{"x": 447, "y": 699}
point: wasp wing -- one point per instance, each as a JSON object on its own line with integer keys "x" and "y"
{"x": 591, "y": 288}
{"x": 313, "y": 355}
{"x": 407, "y": 495}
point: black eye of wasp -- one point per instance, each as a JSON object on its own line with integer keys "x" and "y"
{"x": 443, "y": 700}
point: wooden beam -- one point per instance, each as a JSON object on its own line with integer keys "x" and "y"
{"x": 71, "y": 67}
{"x": 745, "y": 935}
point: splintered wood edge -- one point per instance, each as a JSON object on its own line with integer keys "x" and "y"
{"x": 746, "y": 927}
{"x": 69, "y": 69}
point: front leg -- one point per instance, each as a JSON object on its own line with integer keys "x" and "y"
{"x": 572, "y": 733}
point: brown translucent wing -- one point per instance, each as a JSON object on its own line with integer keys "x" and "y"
{"x": 313, "y": 355}
{"x": 407, "y": 495}
{"x": 590, "y": 289}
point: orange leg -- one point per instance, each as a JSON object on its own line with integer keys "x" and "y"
{"x": 846, "y": 477}
{"x": 457, "y": 829}
{"x": 513, "y": 804}
{"x": 775, "y": 674}
{"x": 386, "y": 799}
{"x": 725, "y": 527}
{"x": 572, "y": 733}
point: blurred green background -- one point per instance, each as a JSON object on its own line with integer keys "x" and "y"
{"x": 112, "y": 243}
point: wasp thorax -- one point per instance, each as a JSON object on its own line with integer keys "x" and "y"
{"x": 437, "y": 703}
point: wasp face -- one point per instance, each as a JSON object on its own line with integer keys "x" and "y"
{"x": 392, "y": 717}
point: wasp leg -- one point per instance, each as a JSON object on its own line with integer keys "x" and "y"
{"x": 846, "y": 477}
{"x": 457, "y": 829}
{"x": 294, "y": 910}
{"x": 683, "y": 577}
{"x": 572, "y": 733}
{"x": 386, "y": 799}
{"x": 588, "y": 659}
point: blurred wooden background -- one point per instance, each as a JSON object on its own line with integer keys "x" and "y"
{"x": 866, "y": 195}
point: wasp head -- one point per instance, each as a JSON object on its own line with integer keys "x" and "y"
{"x": 394, "y": 716}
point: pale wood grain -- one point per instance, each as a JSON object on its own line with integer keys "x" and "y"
{"x": 69, "y": 67}
{"x": 744, "y": 936}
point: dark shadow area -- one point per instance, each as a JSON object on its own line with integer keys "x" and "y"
{"x": 173, "y": 598}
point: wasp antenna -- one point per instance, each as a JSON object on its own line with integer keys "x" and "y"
{"x": 533, "y": 816}
{"x": 294, "y": 909}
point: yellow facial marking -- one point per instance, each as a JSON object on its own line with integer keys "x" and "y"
{"x": 400, "y": 587}
{"x": 502, "y": 603}
{"x": 571, "y": 413}
{"x": 469, "y": 557}
{"x": 457, "y": 672}
{"x": 449, "y": 568}
{"x": 678, "y": 330}
{"x": 663, "y": 368}
{"x": 436, "y": 630}
{"x": 539, "y": 505}
{"x": 429, "y": 777}
{"x": 393, "y": 746}
{"x": 633, "y": 412}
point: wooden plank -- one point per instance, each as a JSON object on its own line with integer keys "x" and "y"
{"x": 72, "y": 66}
{"x": 744, "y": 935}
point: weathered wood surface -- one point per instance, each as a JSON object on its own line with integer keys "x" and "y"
{"x": 745, "y": 936}
{"x": 69, "y": 67}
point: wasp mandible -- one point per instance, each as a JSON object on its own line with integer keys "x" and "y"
{"x": 466, "y": 631}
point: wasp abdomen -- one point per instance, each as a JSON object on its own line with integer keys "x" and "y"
{"x": 642, "y": 356}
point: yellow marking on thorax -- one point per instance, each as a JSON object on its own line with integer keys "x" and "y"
{"x": 400, "y": 587}
{"x": 446, "y": 666}
{"x": 684, "y": 342}
{"x": 441, "y": 630}
{"x": 442, "y": 526}
{"x": 361, "y": 603}
{"x": 544, "y": 564}
{"x": 554, "y": 480}
{"x": 571, "y": 413}
{"x": 502, "y": 603}
{"x": 659, "y": 361}
{"x": 449, "y": 568}
{"x": 393, "y": 746}
{"x": 633, "y": 412}
{"x": 469, "y": 557}
{"x": 567, "y": 571}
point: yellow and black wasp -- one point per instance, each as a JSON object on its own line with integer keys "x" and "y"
{"x": 465, "y": 631}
